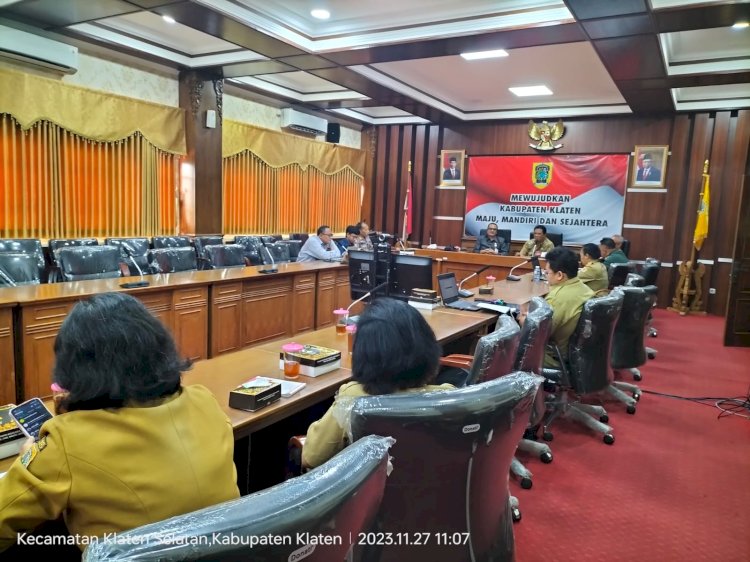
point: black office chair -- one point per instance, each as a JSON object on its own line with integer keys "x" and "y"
{"x": 79, "y": 263}
{"x": 170, "y": 242}
{"x": 171, "y": 260}
{"x": 56, "y": 244}
{"x": 451, "y": 459}
{"x": 200, "y": 243}
{"x": 301, "y": 236}
{"x": 587, "y": 370}
{"x": 554, "y": 237}
{"x": 505, "y": 234}
{"x": 294, "y": 247}
{"x": 252, "y": 246}
{"x": 28, "y": 270}
{"x": 279, "y": 251}
{"x": 618, "y": 273}
{"x": 133, "y": 253}
{"x": 335, "y": 502}
{"x": 270, "y": 239}
{"x": 18, "y": 269}
{"x": 625, "y": 247}
{"x": 224, "y": 255}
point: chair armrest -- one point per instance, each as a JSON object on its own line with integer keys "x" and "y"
{"x": 457, "y": 360}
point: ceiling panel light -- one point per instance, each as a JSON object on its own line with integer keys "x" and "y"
{"x": 485, "y": 54}
{"x": 168, "y": 19}
{"x": 524, "y": 91}
{"x": 320, "y": 14}
{"x": 741, "y": 25}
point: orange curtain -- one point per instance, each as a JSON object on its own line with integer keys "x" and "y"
{"x": 56, "y": 184}
{"x": 262, "y": 199}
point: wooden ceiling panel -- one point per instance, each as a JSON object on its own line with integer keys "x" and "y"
{"x": 593, "y": 9}
{"x": 58, "y": 13}
{"x": 628, "y": 58}
{"x": 255, "y": 68}
{"x": 619, "y": 27}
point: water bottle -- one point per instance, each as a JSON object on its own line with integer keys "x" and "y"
{"x": 537, "y": 273}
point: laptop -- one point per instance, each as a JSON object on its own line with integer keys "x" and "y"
{"x": 449, "y": 293}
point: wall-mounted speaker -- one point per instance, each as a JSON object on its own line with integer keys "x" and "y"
{"x": 334, "y": 132}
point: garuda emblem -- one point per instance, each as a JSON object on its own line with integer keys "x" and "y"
{"x": 546, "y": 135}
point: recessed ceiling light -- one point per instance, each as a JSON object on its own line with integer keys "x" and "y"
{"x": 485, "y": 54}
{"x": 168, "y": 19}
{"x": 523, "y": 91}
{"x": 320, "y": 14}
{"x": 741, "y": 25}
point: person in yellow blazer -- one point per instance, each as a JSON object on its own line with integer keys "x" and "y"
{"x": 395, "y": 351}
{"x": 567, "y": 296}
{"x": 130, "y": 445}
{"x": 594, "y": 272}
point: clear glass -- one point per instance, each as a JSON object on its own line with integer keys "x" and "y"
{"x": 491, "y": 283}
{"x": 351, "y": 332}
{"x": 291, "y": 363}
{"x": 342, "y": 320}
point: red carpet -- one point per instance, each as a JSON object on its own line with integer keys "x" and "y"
{"x": 676, "y": 483}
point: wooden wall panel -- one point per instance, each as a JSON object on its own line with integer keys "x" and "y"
{"x": 721, "y": 137}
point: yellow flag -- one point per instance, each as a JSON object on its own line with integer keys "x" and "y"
{"x": 701, "y": 225}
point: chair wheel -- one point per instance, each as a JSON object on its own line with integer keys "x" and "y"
{"x": 651, "y": 356}
{"x": 637, "y": 377}
{"x": 608, "y": 438}
{"x": 547, "y": 436}
{"x": 546, "y": 458}
{"x": 630, "y": 409}
{"x": 526, "y": 483}
{"x": 516, "y": 514}
{"x": 636, "y": 396}
{"x": 604, "y": 418}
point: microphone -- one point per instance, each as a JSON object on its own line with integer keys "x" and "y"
{"x": 368, "y": 294}
{"x": 464, "y": 292}
{"x": 512, "y": 277}
{"x": 273, "y": 268}
{"x": 142, "y": 283}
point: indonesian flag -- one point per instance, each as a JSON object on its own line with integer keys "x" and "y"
{"x": 701, "y": 225}
{"x": 407, "y": 208}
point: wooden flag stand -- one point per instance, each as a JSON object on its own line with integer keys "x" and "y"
{"x": 688, "y": 296}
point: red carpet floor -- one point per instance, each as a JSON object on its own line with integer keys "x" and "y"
{"x": 676, "y": 483}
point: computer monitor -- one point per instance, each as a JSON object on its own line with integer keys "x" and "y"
{"x": 407, "y": 273}
{"x": 362, "y": 272}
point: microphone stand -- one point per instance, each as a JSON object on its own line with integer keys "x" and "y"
{"x": 132, "y": 284}
{"x": 512, "y": 277}
{"x": 7, "y": 278}
{"x": 368, "y": 294}
{"x": 464, "y": 292}
{"x": 273, "y": 269}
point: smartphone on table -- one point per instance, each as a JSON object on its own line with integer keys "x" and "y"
{"x": 30, "y": 416}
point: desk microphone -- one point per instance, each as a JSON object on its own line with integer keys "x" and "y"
{"x": 368, "y": 294}
{"x": 273, "y": 268}
{"x": 512, "y": 277}
{"x": 133, "y": 284}
{"x": 7, "y": 279}
{"x": 464, "y": 292}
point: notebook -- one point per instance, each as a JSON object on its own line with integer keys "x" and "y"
{"x": 449, "y": 293}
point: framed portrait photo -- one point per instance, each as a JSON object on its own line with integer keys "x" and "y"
{"x": 649, "y": 166}
{"x": 452, "y": 167}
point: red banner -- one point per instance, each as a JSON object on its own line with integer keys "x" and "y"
{"x": 581, "y": 197}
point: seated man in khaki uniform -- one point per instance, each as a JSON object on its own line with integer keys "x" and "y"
{"x": 538, "y": 245}
{"x": 594, "y": 272}
{"x": 567, "y": 296}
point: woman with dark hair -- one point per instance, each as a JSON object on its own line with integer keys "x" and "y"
{"x": 594, "y": 272}
{"x": 395, "y": 351}
{"x": 129, "y": 445}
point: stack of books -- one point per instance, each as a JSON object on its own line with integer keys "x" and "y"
{"x": 11, "y": 437}
{"x": 426, "y": 299}
{"x": 315, "y": 360}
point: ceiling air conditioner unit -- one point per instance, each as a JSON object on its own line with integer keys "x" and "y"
{"x": 303, "y": 122}
{"x": 37, "y": 51}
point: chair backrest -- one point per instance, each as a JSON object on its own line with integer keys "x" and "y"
{"x": 634, "y": 280}
{"x": 56, "y": 244}
{"x": 200, "y": 243}
{"x": 170, "y": 260}
{"x": 301, "y": 236}
{"x": 534, "y": 336}
{"x": 625, "y": 246}
{"x": 28, "y": 246}
{"x": 279, "y": 251}
{"x": 451, "y": 459}
{"x": 590, "y": 346}
{"x": 650, "y": 271}
{"x": 19, "y": 269}
{"x": 252, "y": 245}
{"x": 496, "y": 352}
{"x": 170, "y": 242}
{"x": 294, "y": 247}
{"x": 628, "y": 346}
{"x": 555, "y": 238}
{"x": 133, "y": 253}
{"x": 224, "y": 255}
{"x": 78, "y": 263}
{"x": 338, "y": 499}
{"x": 270, "y": 239}
{"x": 618, "y": 273}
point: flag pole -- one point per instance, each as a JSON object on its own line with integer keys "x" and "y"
{"x": 407, "y": 206}
{"x": 691, "y": 274}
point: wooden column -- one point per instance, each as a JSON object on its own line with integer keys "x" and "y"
{"x": 200, "y": 203}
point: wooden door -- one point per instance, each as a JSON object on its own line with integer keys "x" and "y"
{"x": 737, "y": 328}
{"x": 226, "y": 318}
{"x": 191, "y": 322}
{"x": 7, "y": 362}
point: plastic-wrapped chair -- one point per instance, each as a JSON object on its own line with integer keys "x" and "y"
{"x": 270, "y": 239}
{"x": 252, "y": 245}
{"x": 55, "y": 245}
{"x": 634, "y": 280}
{"x": 133, "y": 253}
{"x": 278, "y": 252}
{"x": 625, "y": 247}
{"x": 628, "y": 347}
{"x": 78, "y": 263}
{"x": 301, "y": 236}
{"x": 530, "y": 358}
{"x": 171, "y": 260}
{"x": 554, "y": 237}
{"x": 18, "y": 269}
{"x": 618, "y": 273}
{"x": 294, "y": 247}
{"x": 650, "y": 271}
{"x": 200, "y": 243}
{"x": 224, "y": 255}
{"x": 29, "y": 270}
{"x": 588, "y": 370}
{"x": 451, "y": 459}
{"x": 170, "y": 242}
{"x": 333, "y": 503}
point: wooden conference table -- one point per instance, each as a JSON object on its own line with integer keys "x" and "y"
{"x": 225, "y": 372}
